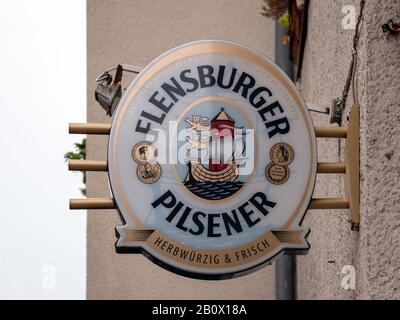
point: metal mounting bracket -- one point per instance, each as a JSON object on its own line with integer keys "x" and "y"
{"x": 352, "y": 163}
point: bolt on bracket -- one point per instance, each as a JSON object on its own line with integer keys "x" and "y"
{"x": 336, "y": 111}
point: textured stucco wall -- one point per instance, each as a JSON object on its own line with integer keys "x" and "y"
{"x": 379, "y": 243}
{"x": 135, "y": 32}
{"x": 375, "y": 250}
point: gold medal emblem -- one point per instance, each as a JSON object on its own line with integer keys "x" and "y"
{"x": 282, "y": 154}
{"x": 148, "y": 170}
{"x": 277, "y": 174}
{"x": 148, "y": 173}
{"x": 144, "y": 153}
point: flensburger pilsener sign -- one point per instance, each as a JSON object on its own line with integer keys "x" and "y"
{"x": 212, "y": 161}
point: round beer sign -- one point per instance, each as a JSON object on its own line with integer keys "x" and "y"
{"x": 212, "y": 161}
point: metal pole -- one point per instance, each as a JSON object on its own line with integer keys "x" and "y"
{"x": 285, "y": 265}
{"x": 104, "y": 128}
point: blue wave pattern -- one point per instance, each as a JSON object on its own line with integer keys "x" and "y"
{"x": 214, "y": 190}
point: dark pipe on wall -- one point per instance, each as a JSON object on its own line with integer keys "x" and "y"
{"x": 285, "y": 265}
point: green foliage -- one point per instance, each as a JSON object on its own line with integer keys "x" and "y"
{"x": 79, "y": 153}
{"x": 284, "y": 20}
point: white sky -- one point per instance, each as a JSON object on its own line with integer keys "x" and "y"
{"x": 42, "y": 88}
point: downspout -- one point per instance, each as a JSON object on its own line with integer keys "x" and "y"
{"x": 285, "y": 265}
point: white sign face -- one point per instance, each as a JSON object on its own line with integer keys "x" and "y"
{"x": 212, "y": 161}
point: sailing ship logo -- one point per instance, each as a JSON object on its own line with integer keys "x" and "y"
{"x": 215, "y": 149}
